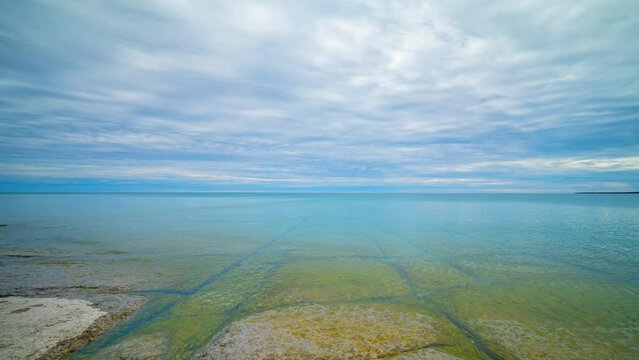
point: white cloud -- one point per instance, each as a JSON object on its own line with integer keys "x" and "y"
{"x": 385, "y": 90}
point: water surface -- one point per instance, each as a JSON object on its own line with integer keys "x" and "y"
{"x": 505, "y": 276}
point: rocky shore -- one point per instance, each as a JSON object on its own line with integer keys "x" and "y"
{"x": 52, "y": 304}
{"x": 51, "y": 328}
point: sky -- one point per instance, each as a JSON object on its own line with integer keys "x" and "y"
{"x": 398, "y": 96}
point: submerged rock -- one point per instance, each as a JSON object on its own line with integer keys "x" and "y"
{"x": 424, "y": 354}
{"x": 143, "y": 347}
{"x": 537, "y": 342}
{"x": 330, "y": 332}
{"x": 580, "y": 318}
{"x": 328, "y": 281}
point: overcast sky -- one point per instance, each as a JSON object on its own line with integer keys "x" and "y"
{"x": 435, "y": 96}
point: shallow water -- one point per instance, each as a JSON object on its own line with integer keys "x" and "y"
{"x": 502, "y": 276}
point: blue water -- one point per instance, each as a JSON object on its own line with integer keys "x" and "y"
{"x": 517, "y": 276}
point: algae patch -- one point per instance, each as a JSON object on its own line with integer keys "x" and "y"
{"x": 329, "y": 332}
{"x": 141, "y": 347}
{"x": 329, "y": 281}
{"x": 432, "y": 275}
{"x": 576, "y": 319}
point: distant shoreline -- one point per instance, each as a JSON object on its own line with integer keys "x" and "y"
{"x": 607, "y": 192}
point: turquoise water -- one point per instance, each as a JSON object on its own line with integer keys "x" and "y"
{"x": 504, "y": 276}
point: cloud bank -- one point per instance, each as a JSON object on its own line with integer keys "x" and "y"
{"x": 246, "y": 95}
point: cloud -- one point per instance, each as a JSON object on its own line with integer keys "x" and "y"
{"x": 397, "y": 93}
{"x": 562, "y": 165}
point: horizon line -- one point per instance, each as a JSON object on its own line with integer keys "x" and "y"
{"x": 316, "y": 192}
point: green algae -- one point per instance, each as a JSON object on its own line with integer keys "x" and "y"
{"x": 434, "y": 275}
{"x": 180, "y": 273}
{"x": 147, "y": 347}
{"x": 309, "y": 250}
{"x": 534, "y": 341}
{"x": 423, "y": 354}
{"x": 330, "y": 281}
{"x": 336, "y": 331}
{"x": 264, "y": 284}
{"x": 569, "y": 319}
{"x": 194, "y": 319}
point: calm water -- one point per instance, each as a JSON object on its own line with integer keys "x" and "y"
{"x": 509, "y": 276}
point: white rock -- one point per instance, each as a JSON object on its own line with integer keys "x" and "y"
{"x": 31, "y": 326}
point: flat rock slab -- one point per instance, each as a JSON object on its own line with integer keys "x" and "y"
{"x": 143, "y": 347}
{"x": 32, "y": 326}
{"x": 424, "y": 354}
{"x": 330, "y": 332}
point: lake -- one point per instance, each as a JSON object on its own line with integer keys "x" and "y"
{"x": 494, "y": 276}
